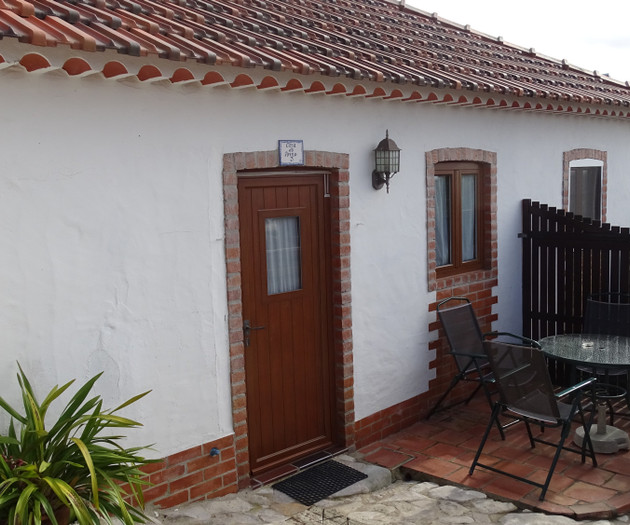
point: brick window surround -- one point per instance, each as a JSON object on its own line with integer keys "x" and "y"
{"x": 478, "y": 286}
{"x": 337, "y": 165}
{"x": 578, "y": 154}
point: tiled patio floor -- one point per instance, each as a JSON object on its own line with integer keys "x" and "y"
{"x": 442, "y": 448}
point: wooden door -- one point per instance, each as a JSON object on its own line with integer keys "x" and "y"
{"x": 285, "y": 256}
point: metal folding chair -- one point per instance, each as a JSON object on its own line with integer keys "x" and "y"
{"x": 465, "y": 340}
{"x": 526, "y": 392}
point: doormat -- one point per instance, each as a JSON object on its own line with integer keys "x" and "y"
{"x": 319, "y": 482}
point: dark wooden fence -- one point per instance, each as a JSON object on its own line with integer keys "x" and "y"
{"x": 566, "y": 258}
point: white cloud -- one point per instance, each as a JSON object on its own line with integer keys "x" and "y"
{"x": 593, "y": 36}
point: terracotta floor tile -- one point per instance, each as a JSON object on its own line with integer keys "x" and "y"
{"x": 620, "y": 502}
{"x": 444, "y": 451}
{"x": 472, "y": 443}
{"x": 443, "y": 448}
{"x": 370, "y": 448}
{"x": 615, "y": 463}
{"x": 510, "y": 488}
{"x": 618, "y": 482}
{"x": 593, "y": 511}
{"x": 452, "y": 437}
{"x": 511, "y": 453}
{"x": 588, "y": 473}
{"x": 558, "y": 484}
{"x": 387, "y": 458}
{"x": 459, "y": 476}
{"x": 589, "y": 493}
{"x": 433, "y": 466}
{"x": 465, "y": 458}
{"x": 550, "y": 507}
{"x": 557, "y": 499}
{"x": 413, "y": 443}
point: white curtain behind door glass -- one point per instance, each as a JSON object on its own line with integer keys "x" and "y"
{"x": 284, "y": 273}
{"x": 469, "y": 217}
{"x": 442, "y": 221}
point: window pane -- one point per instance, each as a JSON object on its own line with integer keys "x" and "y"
{"x": 443, "y": 220}
{"x": 284, "y": 272}
{"x": 585, "y": 191}
{"x": 469, "y": 217}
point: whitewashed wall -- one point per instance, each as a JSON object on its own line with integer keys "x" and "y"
{"x": 111, "y": 232}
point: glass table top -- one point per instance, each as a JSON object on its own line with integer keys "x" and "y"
{"x": 597, "y": 349}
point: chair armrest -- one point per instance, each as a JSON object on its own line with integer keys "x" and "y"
{"x": 521, "y": 338}
{"x": 574, "y": 388}
{"x": 472, "y": 356}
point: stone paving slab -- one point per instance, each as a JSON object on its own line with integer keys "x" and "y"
{"x": 378, "y": 502}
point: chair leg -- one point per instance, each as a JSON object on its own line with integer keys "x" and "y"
{"x": 587, "y": 442}
{"x": 532, "y": 443}
{"x": 454, "y": 381}
{"x": 494, "y": 418}
{"x": 566, "y": 429}
{"x": 474, "y": 393}
{"x": 488, "y": 395}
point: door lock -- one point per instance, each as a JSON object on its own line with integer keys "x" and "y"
{"x": 247, "y": 328}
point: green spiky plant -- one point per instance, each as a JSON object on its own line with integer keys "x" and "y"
{"x": 76, "y": 467}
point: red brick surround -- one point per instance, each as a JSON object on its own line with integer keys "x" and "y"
{"x": 478, "y": 285}
{"x": 337, "y": 165}
{"x": 389, "y": 420}
{"x": 193, "y": 474}
{"x": 584, "y": 153}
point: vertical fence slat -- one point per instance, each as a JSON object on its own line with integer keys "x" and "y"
{"x": 566, "y": 258}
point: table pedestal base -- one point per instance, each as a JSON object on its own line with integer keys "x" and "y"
{"x": 608, "y": 442}
{"x": 605, "y": 439}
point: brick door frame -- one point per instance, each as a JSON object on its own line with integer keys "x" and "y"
{"x": 337, "y": 165}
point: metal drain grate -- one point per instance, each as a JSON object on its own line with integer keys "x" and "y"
{"x": 319, "y": 482}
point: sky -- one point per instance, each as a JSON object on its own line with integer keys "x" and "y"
{"x": 593, "y": 35}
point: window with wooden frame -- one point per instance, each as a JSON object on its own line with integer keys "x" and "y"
{"x": 585, "y": 190}
{"x": 459, "y": 220}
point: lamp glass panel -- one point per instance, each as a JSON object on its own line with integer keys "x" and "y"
{"x": 381, "y": 161}
{"x": 394, "y": 161}
{"x": 387, "y": 161}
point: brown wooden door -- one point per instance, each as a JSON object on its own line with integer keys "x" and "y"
{"x": 286, "y": 297}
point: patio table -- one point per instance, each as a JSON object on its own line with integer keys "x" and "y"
{"x": 597, "y": 351}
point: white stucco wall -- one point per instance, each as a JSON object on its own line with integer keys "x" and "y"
{"x": 111, "y": 232}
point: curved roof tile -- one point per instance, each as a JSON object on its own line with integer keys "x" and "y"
{"x": 373, "y": 40}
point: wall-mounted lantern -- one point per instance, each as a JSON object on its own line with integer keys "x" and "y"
{"x": 386, "y": 162}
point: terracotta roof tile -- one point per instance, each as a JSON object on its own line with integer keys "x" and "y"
{"x": 360, "y": 40}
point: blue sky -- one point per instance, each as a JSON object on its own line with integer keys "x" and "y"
{"x": 593, "y": 35}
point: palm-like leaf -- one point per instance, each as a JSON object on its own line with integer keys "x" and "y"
{"x": 73, "y": 464}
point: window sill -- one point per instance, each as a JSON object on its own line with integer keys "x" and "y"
{"x": 465, "y": 277}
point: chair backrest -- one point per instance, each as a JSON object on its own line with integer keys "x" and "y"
{"x": 523, "y": 381}
{"x": 462, "y": 330}
{"x": 607, "y": 314}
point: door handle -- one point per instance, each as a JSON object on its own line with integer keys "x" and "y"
{"x": 247, "y": 328}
